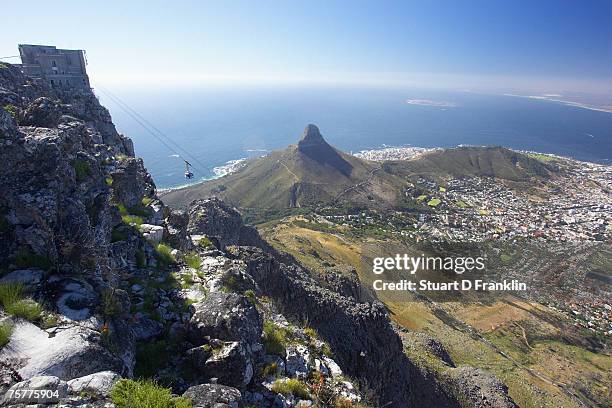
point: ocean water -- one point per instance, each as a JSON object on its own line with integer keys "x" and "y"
{"x": 215, "y": 126}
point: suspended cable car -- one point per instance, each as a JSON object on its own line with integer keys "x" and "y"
{"x": 188, "y": 172}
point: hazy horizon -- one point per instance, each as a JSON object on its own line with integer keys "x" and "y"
{"x": 548, "y": 47}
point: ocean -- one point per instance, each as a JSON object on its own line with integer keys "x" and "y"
{"x": 215, "y": 126}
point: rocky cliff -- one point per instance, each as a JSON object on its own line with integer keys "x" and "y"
{"x": 100, "y": 282}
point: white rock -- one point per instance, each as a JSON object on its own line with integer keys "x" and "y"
{"x": 297, "y": 358}
{"x": 98, "y": 383}
{"x": 71, "y": 353}
{"x": 333, "y": 367}
{"x": 153, "y": 233}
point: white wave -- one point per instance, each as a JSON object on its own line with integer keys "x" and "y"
{"x": 230, "y": 167}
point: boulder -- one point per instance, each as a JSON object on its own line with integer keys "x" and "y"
{"x": 26, "y": 277}
{"x": 71, "y": 353}
{"x": 153, "y": 233}
{"x": 216, "y": 220}
{"x": 146, "y": 329}
{"x": 214, "y": 396}
{"x": 131, "y": 182}
{"x": 231, "y": 365}
{"x": 423, "y": 343}
{"x": 297, "y": 361}
{"x": 225, "y": 316}
{"x": 98, "y": 384}
{"x": 176, "y": 229}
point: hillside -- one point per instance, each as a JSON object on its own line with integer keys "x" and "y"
{"x": 301, "y": 175}
{"x": 313, "y": 172}
{"x": 486, "y": 161}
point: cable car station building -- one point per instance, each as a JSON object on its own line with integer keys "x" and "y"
{"x": 60, "y": 68}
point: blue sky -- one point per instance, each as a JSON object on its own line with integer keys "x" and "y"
{"x": 540, "y": 46}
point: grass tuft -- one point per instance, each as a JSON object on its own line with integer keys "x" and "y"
{"x": 6, "y": 329}
{"x": 291, "y": 386}
{"x": 11, "y": 297}
{"x": 275, "y": 338}
{"x": 193, "y": 260}
{"x": 25, "y": 308}
{"x": 10, "y": 293}
{"x": 164, "y": 254}
{"x": 145, "y": 394}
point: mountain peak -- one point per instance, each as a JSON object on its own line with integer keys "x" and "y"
{"x": 316, "y": 148}
{"x": 312, "y": 135}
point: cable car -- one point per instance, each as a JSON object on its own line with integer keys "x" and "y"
{"x": 188, "y": 172}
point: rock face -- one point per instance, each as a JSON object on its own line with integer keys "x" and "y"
{"x": 315, "y": 147}
{"x": 213, "y": 319}
{"x": 480, "y": 389}
{"x": 221, "y": 222}
{"x": 59, "y": 155}
{"x": 359, "y": 333}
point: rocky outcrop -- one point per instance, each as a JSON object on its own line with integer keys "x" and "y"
{"x": 211, "y": 319}
{"x": 214, "y": 396}
{"x": 359, "y": 333}
{"x": 59, "y": 212}
{"x": 480, "y": 389}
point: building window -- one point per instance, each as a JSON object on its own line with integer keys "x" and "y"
{"x": 52, "y": 82}
{"x": 53, "y": 63}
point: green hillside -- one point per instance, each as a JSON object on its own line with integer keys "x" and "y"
{"x": 313, "y": 172}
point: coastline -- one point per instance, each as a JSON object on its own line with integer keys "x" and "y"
{"x": 380, "y": 154}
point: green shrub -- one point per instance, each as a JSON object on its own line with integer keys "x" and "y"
{"x": 145, "y": 394}
{"x": 109, "y": 181}
{"x": 6, "y": 329}
{"x": 205, "y": 243}
{"x": 291, "y": 386}
{"x": 25, "y": 308}
{"x": 146, "y": 201}
{"x": 110, "y": 303}
{"x": 193, "y": 260}
{"x": 250, "y": 294}
{"x": 275, "y": 338}
{"x": 11, "y": 110}
{"x": 434, "y": 202}
{"x": 269, "y": 370}
{"x": 164, "y": 254}
{"x": 132, "y": 219}
{"x": 3, "y": 65}
{"x": 82, "y": 168}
